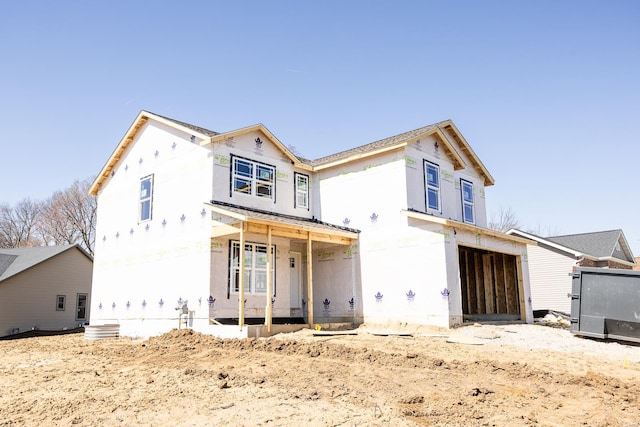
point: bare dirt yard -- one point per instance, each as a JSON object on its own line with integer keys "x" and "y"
{"x": 493, "y": 375}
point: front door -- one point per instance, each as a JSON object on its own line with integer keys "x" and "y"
{"x": 295, "y": 282}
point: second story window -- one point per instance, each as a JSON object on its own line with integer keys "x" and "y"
{"x": 254, "y": 178}
{"x": 467, "y": 202}
{"x": 146, "y": 198}
{"x": 302, "y": 191}
{"x": 432, "y": 186}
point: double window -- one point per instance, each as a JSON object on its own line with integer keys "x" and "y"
{"x": 432, "y": 186}
{"x": 253, "y": 178}
{"x": 146, "y": 198}
{"x": 467, "y": 202}
{"x": 255, "y": 268}
{"x": 302, "y": 191}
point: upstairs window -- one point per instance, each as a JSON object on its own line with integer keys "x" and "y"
{"x": 432, "y": 186}
{"x": 255, "y": 268}
{"x": 467, "y": 202}
{"x": 254, "y": 178}
{"x": 302, "y": 191}
{"x": 146, "y": 198}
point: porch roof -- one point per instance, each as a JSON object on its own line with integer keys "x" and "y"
{"x": 293, "y": 227}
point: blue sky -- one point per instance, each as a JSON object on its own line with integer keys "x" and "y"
{"x": 546, "y": 92}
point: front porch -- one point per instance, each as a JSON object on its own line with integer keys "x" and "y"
{"x": 282, "y": 258}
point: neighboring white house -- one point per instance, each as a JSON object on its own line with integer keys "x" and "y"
{"x": 45, "y": 288}
{"x": 393, "y": 231}
{"x": 552, "y": 259}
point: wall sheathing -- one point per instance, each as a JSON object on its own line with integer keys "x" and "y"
{"x": 142, "y": 269}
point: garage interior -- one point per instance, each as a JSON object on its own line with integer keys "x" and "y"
{"x": 490, "y": 285}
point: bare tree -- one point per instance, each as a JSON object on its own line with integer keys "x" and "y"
{"x": 504, "y": 220}
{"x": 19, "y": 224}
{"x": 69, "y": 217}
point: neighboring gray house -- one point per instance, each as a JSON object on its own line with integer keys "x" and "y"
{"x": 46, "y": 287}
{"x": 553, "y": 258}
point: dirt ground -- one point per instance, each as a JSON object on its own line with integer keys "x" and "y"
{"x": 476, "y": 375}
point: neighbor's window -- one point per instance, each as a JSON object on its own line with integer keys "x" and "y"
{"x": 432, "y": 185}
{"x": 146, "y": 198}
{"x": 81, "y": 307}
{"x": 60, "y": 301}
{"x": 302, "y": 191}
{"x": 254, "y": 178}
{"x": 467, "y": 201}
{"x": 255, "y": 268}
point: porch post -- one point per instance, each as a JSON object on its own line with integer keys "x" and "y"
{"x": 241, "y": 279}
{"x": 268, "y": 313}
{"x": 309, "y": 280}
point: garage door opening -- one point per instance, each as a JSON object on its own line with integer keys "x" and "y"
{"x": 490, "y": 285}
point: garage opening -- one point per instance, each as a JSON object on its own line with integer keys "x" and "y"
{"x": 489, "y": 282}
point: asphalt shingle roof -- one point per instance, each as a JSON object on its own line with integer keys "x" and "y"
{"x": 286, "y": 219}
{"x": 375, "y": 145}
{"x": 598, "y": 244}
{"x": 190, "y": 126}
{"x": 14, "y": 261}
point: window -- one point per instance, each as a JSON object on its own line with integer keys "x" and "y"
{"x": 302, "y": 191}
{"x": 256, "y": 179}
{"x": 467, "y": 201}
{"x": 255, "y": 268}
{"x": 146, "y": 196}
{"x": 60, "y": 301}
{"x": 81, "y": 307}
{"x": 432, "y": 185}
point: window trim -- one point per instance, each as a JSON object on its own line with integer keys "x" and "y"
{"x": 86, "y": 305}
{"x": 149, "y": 199}
{"x": 253, "y": 191}
{"x": 231, "y": 289}
{"x": 466, "y": 203}
{"x": 428, "y": 187}
{"x": 64, "y": 302}
{"x": 297, "y": 175}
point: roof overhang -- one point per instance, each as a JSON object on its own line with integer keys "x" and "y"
{"x": 533, "y": 239}
{"x": 261, "y": 128}
{"x": 463, "y": 226}
{"x": 466, "y": 148}
{"x": 142, "y": 118}
{"x": 238, "y": 219}
{"x": 458, "y": 162}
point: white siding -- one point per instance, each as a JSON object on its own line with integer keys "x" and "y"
{"x": 137, "y": 264}
{"x": 550, "y": 279}
{"x": 28, "y": 299}
{"x": 266, "y": 152}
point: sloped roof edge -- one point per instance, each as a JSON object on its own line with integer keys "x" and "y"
{"x": 262, "y": 128}
{"x": 27, "y": 258}
{"x": 130, "y": 135}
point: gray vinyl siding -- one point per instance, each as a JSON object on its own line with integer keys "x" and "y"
{"x": 28, "y": 299}
{"x": 549, "y": 277}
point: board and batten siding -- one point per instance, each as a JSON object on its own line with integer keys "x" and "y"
{"x": 28, "y": 299}
{"x": 549, "y": 274}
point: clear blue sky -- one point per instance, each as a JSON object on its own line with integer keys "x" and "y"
{"x": 546, "y": 92}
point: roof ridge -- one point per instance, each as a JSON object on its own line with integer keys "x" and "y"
{"x": 584, "y": 234}
{"x": 200, "y": 129}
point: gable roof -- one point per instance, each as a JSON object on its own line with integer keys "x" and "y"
{"x": 444, "y": 132}
{"x": 17, "y": 260}
{"x": 297, "y": 161}
{"x": 600, "y": 245}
